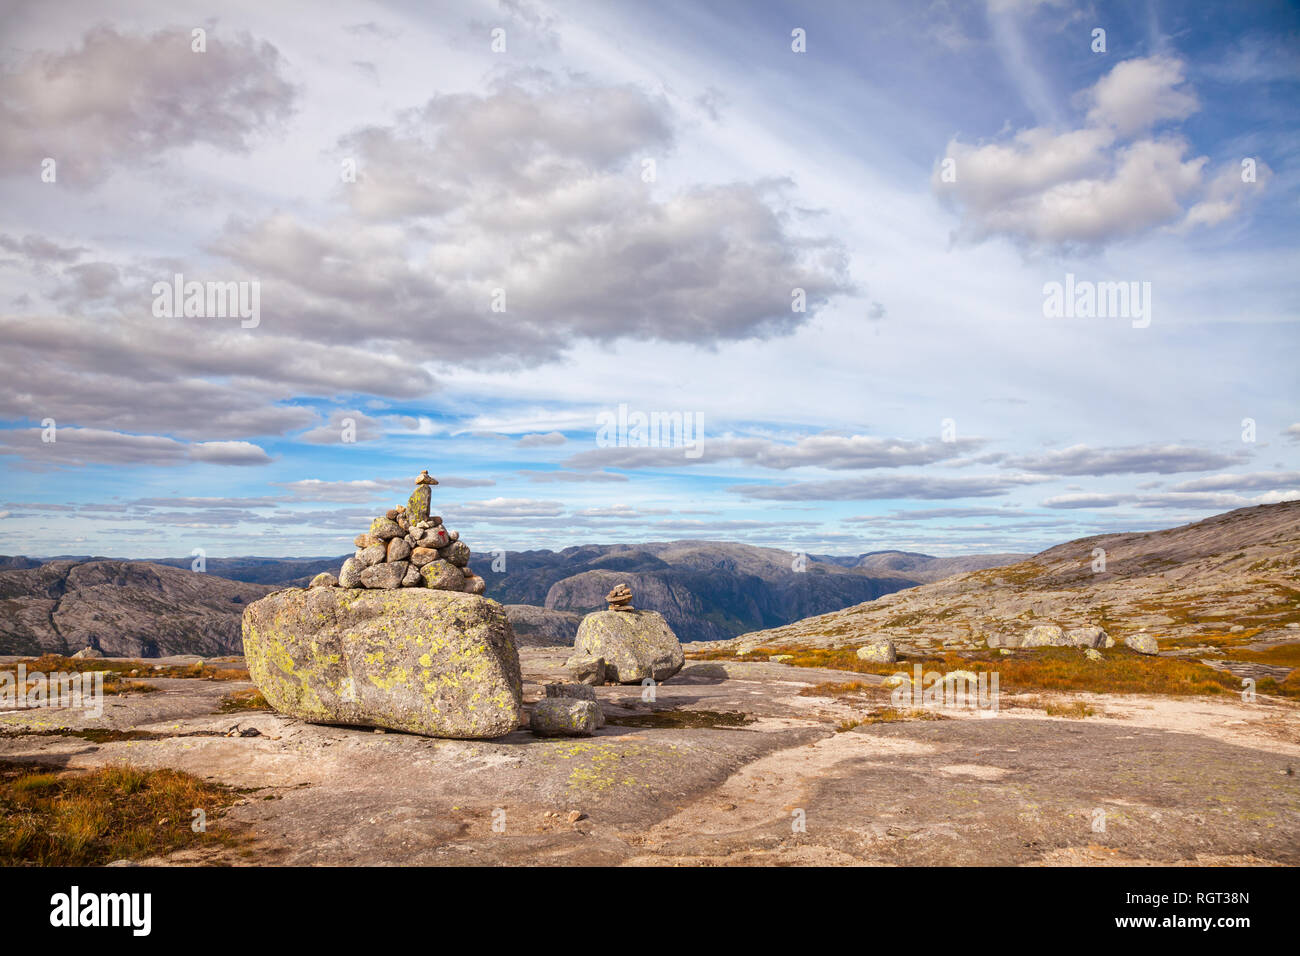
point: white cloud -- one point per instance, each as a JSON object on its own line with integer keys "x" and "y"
{"x": 1096, "y": 183}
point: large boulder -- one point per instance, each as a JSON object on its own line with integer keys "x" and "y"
{"x": 438, "y": 663}
{"x": 634, "y": 644}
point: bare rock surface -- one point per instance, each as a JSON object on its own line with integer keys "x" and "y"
{"x": 718, "y": 769}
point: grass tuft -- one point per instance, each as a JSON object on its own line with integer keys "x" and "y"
{"x": 51, "y": 817}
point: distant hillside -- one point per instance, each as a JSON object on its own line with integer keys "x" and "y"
{"x": 125, "y": 608}
{"x": 707, "y": 590}
{"x": 1239, "y": 569}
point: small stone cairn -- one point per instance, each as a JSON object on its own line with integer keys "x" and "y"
{"x": 620, "y": 598}
{"x": 408, "y": 548}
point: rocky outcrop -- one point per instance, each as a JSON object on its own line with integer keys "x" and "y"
{"x": 635, "y": 645}
{"x": 438, "y": 663}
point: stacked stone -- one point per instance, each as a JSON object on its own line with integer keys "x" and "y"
{"x": 409, "y": 548}
{"x": 620, "y": 598}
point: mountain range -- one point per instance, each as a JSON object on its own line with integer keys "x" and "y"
{"x": 706, "y": 590}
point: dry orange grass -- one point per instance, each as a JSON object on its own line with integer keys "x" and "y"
{"x": 1120, "y": 671}
{"x": 50, "y": 817}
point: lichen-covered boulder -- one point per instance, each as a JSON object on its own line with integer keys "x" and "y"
{"x": 438, "y": 663}
{"x": 634, "y": 644}
{"x": 877, "y": 652}
{"x": 1045, "y": 635}
{"x": 566, "y": 717}
{"x": 385, "y": 528}
{"x": 1089, "y": 636}
{"x": 1143, "y": 643}
{"x": 324, "y": 580}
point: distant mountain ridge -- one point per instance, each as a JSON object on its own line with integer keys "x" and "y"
{"x": 708, "y": 590}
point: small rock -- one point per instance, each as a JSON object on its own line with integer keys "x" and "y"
{"x": 420, "y": 556}
{"x": 576, "y": 815}
{"x": 584, "y": 669}
{"x": 350, "y": 573}
{"x": 1092, "y": 653}
{"x": 324, "y": 580}
{"x": 385, "y": 528}
{"x": 563, "y": 717}
{"x": 386, "y": 575}
{"x": 443, "y": 576}
{"x": 412, "y": 578}
{"x": 571, "y": 691}
{"x": 457, "y": 553}
{"x": 86, "y": 653}
{"x": 375, "y": 554}
{"x": 398, "y": 550}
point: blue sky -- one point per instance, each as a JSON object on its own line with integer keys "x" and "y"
{"x": 640, "y": 190}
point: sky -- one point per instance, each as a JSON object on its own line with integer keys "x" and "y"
{"x": 945, "y": 277}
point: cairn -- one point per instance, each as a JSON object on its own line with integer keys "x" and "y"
{"x": 407, "y": 547}
{"x": 620, "y": 598}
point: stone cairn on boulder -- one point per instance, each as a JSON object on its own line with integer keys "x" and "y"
{"x": 408, "y": 548}
{"x": 620, "y": 645}
{"x": 620, "y": 598}
{"x": 623, "y": 645}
